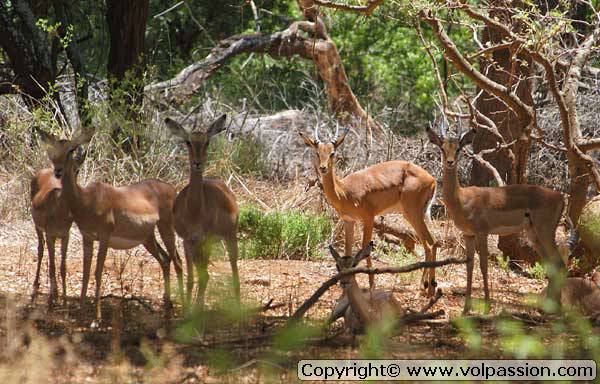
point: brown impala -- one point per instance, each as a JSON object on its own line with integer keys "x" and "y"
{"x": 390, "y": 187}
{"x": 117, "y": 217}
{"x": 53, "y": 219}
{"x": 205, "y": 207}
{"x": 479, "y": 212}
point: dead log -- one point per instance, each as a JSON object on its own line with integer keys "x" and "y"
{"x": 406, "y": 236}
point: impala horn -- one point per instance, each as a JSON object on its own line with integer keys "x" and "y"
{"x": 337, "y": 132}
{"x": 317, "y": 131}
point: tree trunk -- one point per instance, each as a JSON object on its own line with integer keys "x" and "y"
{"x": 127, "y": 28}
{"x": 28, "y": 52}
{"x": 63, "y": 14}
{"x": 512, "y": 165}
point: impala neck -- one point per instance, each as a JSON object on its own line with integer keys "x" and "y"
{"x": 451, "y": 188}
{"x": 333, "y": 186}
{"x": 196, "y": 189}
{"x": 358, "y": 301}
{"x": 70, "y": 189}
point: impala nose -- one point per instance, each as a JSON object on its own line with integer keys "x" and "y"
{"x": 450, "y": 163}
{"x": 58, "y": 173}
{"x": 197, "y": 165}
{"x": 323, "y": 169}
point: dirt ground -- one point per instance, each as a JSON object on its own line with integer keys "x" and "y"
{"x": 135, "y": 343}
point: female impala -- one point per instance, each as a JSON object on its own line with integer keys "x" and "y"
{"x": 365, "y": 308}
{"x": 116, "y": 217}
{"x": 390, "y": 187}
{"x": 479, "y": 212}
{"x": 205, "y": 207}
{"x": 53, "y": 219}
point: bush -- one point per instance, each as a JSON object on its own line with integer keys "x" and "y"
{"x": 244, "y": 155}
{"x": 291, "y": 234}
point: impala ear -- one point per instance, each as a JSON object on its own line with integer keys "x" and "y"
{"x": 46, "y": 138}
{"x": 433, "y": 136}
{"x": 363, "y": 253}
{"x": 334, "y": 253}
{"x": 176, "y": 129}
{"x": 467, "y": 138}
{"x": 308, "y": 141}
{"x": 83, "y": 137}
{"x": 217, "y": 126}
{"x": 340, "y": 139}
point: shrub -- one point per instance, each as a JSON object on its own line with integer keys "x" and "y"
{"x": 243, "y": 155}
{"x": 290, "y": 234}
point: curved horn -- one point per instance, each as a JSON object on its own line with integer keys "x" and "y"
{"x": 317, "y": 140}
{"x": 337, "y": 132}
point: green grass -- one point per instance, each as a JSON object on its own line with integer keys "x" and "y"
{"x": 289, "y": 234}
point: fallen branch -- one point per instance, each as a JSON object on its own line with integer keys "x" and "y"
{"x": 432, "y": 301}
{"x": 406, "y": 236}
{"x": 137, "y": 299}
{"x": 371, "y": 271}
{"x": 415, "y": 317}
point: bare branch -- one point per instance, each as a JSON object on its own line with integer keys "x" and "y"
{"x": 589, "y": 145}
{"x": 522, "y": 110}
{"x": 371, "y": 271}
{"x": 367, "y": 10}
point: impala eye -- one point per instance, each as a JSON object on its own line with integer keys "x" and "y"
{"x": 332, "y": 154}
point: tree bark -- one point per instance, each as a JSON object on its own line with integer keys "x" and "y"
{"x": 28, "y": 52}
{"x": 63, "y": 14}
{"x": 127, "y": 28}
{"x": 504, "y": 68}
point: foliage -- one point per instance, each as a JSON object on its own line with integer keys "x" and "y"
{"x": 290, "y": 234}
{"x": 503, "y": 262}
{"x": 538, "y": 271}
{"x": 243, "y": 155}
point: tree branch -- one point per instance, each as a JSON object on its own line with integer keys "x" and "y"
{"x": 589, "y": 144}
{"x": 371, "y": 271}
{"x": 522, "y": 110}
{"x": 367, "y": 10}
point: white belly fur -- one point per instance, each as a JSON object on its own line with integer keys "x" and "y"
{"x": 142, "y": 219}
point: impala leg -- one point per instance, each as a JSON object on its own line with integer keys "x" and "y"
{"x": 51, "y": 242}
{"x": 102, "y": 250}
{"x": 64, "y": 245}
{"x": 543, "y": 238}
{"x": 201, "y": 263}
{"x": 168, "y": 237}
{"x": 165, "y": 263}
{"x": 367, "y": 235}
{"x": 417, "y": 220}
{"x": 470, "y": 246}
{"x": 232, "y": 249}
{"x": 188, "y": 248}
{"x": 482, "y": 248}
{"x": 349, "y": 237}
{"x": 88, "y": 249}
{"x": 40, "y": 256}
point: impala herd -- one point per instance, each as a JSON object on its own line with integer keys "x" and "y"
{"x": 127, "y": 216}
